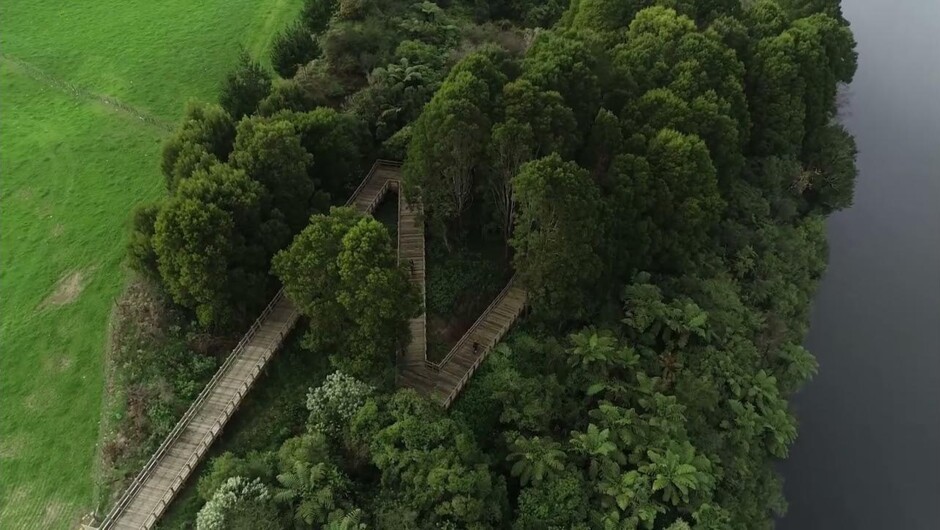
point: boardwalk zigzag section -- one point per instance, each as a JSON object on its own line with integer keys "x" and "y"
{"x": 157, "y": 484}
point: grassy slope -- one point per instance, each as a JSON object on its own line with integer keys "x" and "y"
{"x": 154, "y": 55}
{"x": 72, "y": 168}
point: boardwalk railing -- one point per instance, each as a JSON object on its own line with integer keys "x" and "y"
{"x": 159, "y": 496}
{"x": 150, "y": 492}
{"x": 181, "y": 425}
{"x": 436, "y": 367}
{"x": 390, "y": 164}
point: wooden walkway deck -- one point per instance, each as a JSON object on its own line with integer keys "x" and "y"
{"x": 443, "y": 381}
{"x": 166, "y": 472}
{"x": 155, "y": 487}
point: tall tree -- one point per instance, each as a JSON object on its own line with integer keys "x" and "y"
{"x": 605, "y": 141}
{"x": 270, "y": 152}
{"x": 557, "y": 235}
{"x": 831, "y": 153}
{"x": 563, "y": 64}
{"x": 431, "y": 467}
{"x": 207, "y": 246}
{"x": 244, "y": 87}
{"x": 205, "y": 136}
{"x": 337, "y": 141}
{"x": 294, "y": 46}
{"x": 447, "y": 148}
{"x": 343, "y": 274}
{"x": 670, "y": 198}
{"x": 776, "y": 99}
{"x": 552, "y": 122}
{"x": 511, "y": 146}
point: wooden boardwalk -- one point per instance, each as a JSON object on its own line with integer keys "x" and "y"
{"x": 166, "y": 472}
{"x": 155, "y": 487}
{"x": 443, "y": 381}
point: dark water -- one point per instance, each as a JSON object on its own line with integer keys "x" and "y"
{"x": 868, "y": 455}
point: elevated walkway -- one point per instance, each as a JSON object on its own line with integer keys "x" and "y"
{"x": 157, "y": 484}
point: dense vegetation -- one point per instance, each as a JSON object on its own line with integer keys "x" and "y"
{"x": 658, "y": 172}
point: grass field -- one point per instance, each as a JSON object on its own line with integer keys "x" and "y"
{"x": 75, "y": 81}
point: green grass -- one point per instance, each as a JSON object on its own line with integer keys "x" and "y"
{"x": 153, "y": 55}
{"x": 72, "y": 168}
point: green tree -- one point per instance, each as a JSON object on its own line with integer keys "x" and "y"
{"x": 535, "y": 459}
{"x": 605, "y": 15}
{"x": 140, "y": 252}
{"x": 431, "y": 467}
{"x": 677, "y": 472}
{"x": 377, "y": 294}
{"x": 337, "y": 142}
{"x": 665, "y": 50}
{"x": 254, "y": 465}
{"x": 775, "y": 91}
{"x": 826, "y": 56}
{"x": 270, "y": 152}
{"x": 316, "y": 13}
{"x": 207, "y": 247}
{"x": 765, "y": 19}
{"x": 805, "y": 8}
{"x": 557, "y": 235}
{"x": 671, "y": 200}
{"x": 343, "y": 275}
{"x": 316, "y": 492}
{"x": 552, "y": 122}
{"x": 512, "y": 144}
{"x": 293, "y": 47}
{"x": 206, "y": 135}
{"x": 556, "y": 503}
{"x": 605, "y": 141}
{"x": 239, "y": 504}
{"x": 333, "y": 404}
{"x": 447, "y": 147}
{"x": 562, "y": 64}
{"x": 395, "y": 96}
{"x": 831, "y": 154}
{"x": 311, "y": 447}
{"x": 244, "y": 87}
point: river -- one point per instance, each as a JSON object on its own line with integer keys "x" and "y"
{"x": 868, "y": 453}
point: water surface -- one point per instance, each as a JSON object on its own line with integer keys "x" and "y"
{"x": 868, "y": 454}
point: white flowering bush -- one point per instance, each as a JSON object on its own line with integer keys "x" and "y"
{"x": 233, "y": 495}
{"x": 333, "y": 404}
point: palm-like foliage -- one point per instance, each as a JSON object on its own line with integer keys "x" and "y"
{"x": 349, "y": 521}
{"x": 535, "y": 459}
{"x": 592, "y": 348}
{"x": 314, "y": 491}
{"x": 677, "y": 472}
{"x": 600, "y": 452}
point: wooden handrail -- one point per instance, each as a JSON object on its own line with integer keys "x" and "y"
{"x": 449, "y": 400}
{"x": 129, "y": 494}
{"x": 375, "y": 166}
{"x": 187, "y": 417}
{"x": 466, "y": 336}
{"x": 230, "y": 407}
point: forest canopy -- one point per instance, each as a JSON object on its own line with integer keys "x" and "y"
{"x": 657, "y": 173}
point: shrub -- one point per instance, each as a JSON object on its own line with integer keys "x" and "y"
{"x": 292, "y": 48}
{"x": 239, "y": 503}
{"x": 245, "y": 87}
{"x": 140, "y": 251}
{"x": 333, "y": 404}
{"x": 255, "y": 466}
{"x": 311, "y": 448}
